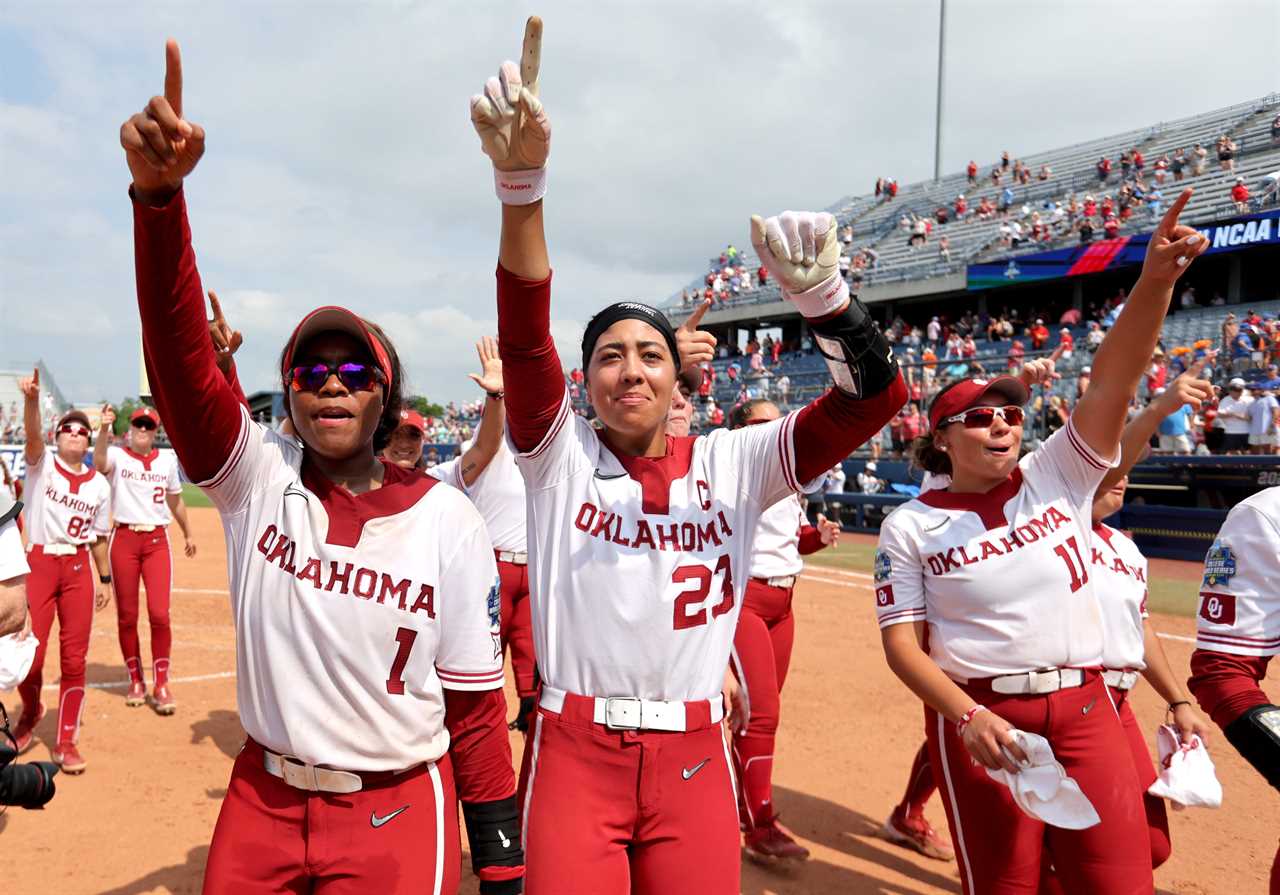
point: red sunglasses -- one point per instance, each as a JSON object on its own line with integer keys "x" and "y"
{"x": 73, "y": 429}
{"x": 983, "y": 417}
{"x": 353, "y": 376}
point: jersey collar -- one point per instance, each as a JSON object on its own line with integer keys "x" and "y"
{"x": 655, "y": 474}
{"x": 989, "y": 505}
{"x": 74, "y": 479}
{"x": 145, "y": 460}
{"x": 348, "y": 513}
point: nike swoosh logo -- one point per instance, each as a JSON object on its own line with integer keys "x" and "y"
{"x": 376, "y": 821}
{"x": 939, "y": 525}
{"x": 689, "y": 772}
{"x": 506, "y": 843}
{"x": 1085, "y": 710}
{"x": 601, "y": 475}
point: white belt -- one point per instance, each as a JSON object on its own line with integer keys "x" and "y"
{"x": 783, "y": 581}
{"x": 55, "y": 549}
{"x": 140, "y": 528}
{"x": 1121, "y": 680}
{"x": 1048, "y": 681}
{"x": 631, "y": 712}
{"x": 301, "y": 775}
{"x": 518, "y": 559}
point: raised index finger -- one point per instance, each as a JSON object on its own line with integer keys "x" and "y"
{"x": 1170, "y": 219}
{"x": 216, "y": 306}
{"x": 696, "y": 317}
{"x": 173, "y": 76}
{"x": 531, "y": 54}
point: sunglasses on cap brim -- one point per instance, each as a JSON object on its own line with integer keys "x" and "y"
{"x": 983, "y": 417}
{"x": 355, "y": 377}
{"x": 73, "y": 429}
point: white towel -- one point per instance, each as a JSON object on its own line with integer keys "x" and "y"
{"x": 16, "y": 657}
{"x": 1042, "y": 788}
{"x": 1187, "y": 778}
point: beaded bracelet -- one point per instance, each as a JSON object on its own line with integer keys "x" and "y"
{"x": 967, "y": 717}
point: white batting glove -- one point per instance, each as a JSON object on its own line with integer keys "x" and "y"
{"x": 513, "y": 127}
{"x": 801, "y": 249}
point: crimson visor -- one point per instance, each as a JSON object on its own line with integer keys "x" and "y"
{"x": 970, "y": 392}
{"x": 333, "y": 318}
{"x": 413, "y": 420}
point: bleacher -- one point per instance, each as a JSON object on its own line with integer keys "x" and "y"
{"x": 875, "y": 221}
{"x": 11, "y": 400}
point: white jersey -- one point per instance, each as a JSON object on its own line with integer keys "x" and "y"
{"x": 140, "y": 483}
{"x": 776, "y": 550}
{"x": 498, "y": 494}
{"x": 13, "y": 557}
{"x": 1002, "y": 578}
{"x": 637, "y": 566}
{"x": 1239, "y": 601}
{"x": 1119, "y": 572}
{"x": 352, "y": 612}
{"x": 64, "y": 506}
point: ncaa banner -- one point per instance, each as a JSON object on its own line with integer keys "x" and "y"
{"x": 1111, "y": 254}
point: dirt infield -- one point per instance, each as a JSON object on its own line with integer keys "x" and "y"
{"x": 139, "y": 820}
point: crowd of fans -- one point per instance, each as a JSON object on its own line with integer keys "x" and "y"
{"x": 12, "y": 427}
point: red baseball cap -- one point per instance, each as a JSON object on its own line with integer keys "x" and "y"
{"x": 145, "y": 413}
{"x": 968, "y": 392}
{"x": 333, "y": 318}
{"x": 414, "y": 420}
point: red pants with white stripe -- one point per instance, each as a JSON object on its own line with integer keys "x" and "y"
{"x": 61, "y": 584}
{"x": 517, "y": 623}
{"x": 398, "y": 836}
{"x": 142, "y": 557}
{"x": 610, "y": 812}
{"x": 1000, "y": 849}
{"x": 761, "y": 656}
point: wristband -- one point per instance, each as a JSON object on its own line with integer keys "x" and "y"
{"x": 105, "y": 579}
{"x": 497, "y": 396}
{"x": 823, "y": 299}
{"x": 967, "y": 717}
{"x": 1174, "y": 705}
{"x": 520, "y": 187}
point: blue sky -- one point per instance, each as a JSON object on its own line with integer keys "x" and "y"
{"x": 341, "y": 165}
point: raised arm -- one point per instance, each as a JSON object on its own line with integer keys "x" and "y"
{"x": 493, "y": 418}
{"x": 102, "y": 447}
{"x": 162, "y": 148}
{"x": 1125, "y": 352}
{"x": 516, "y": 135}
{"x": 33, "y": 427}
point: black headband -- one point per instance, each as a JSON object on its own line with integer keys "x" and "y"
{"x": 628, "y": 310}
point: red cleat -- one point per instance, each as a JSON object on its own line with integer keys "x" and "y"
{"x": 770, "y": 842}
{"x": 162, "y": 700}
{"x": 68, "y": 757}
{"x": 916, "y": 833}
{"x": 137, "y": 694}
{"x": 24, "y": 732}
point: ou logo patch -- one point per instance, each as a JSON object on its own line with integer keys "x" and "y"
{"x": 1219, "y": 609}
{"x": 884, "y": 595}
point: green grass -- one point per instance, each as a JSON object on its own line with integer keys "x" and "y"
{"x": 1169, "y": 596}
{"x": 194, "y": 497}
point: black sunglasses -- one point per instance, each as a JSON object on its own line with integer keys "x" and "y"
{"x": 143, "y": 424}
{"x": 353, "y": 376}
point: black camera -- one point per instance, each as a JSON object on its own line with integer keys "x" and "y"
{"x": 25, "y": 785}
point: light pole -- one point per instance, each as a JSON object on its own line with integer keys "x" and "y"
{"x": 937, "y": 128}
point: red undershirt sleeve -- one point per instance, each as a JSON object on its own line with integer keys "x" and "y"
{"x": 1226, "y": 685}
{"x": 233, "y": 380}
{"x": 810, "y": 540}
{"x": 832, "y": 427}
{"x": 532, "y": 376}
{"x": 477, "y": 724}
{"x": 200, "y": 410}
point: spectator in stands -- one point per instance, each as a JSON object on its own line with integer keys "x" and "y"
{"x": 1155, "y": 203}
{"x": 1242, "y": 350}
{"x": 1015, "y": 234}
{"x": 891, "y": 189}
{"x": 934, "y": 330}
{"x": 1199, "y": 159}
{"x": 1233, "y": 416}
{"x": 919, "y": 233}
{"x": 941, "y": 214}
{"x": 1006, "y": 200}
{"x": 1188, "y": 298}
{"x": 1175, "y": 429}
{"x": 1138, "y": 162}
{"x": 1264, "y": 414}
{"x": 1004, "y": 160}
{"x": 1067, "y": 341}
{"x": 1045, "y": 173}
{"x": 1016, "y": 353}
{"x": 952, "y": 348}
{"x": 1126, "y": 163}
{"x": 1178, "y": 163}
{"x": 961, "y": 206}
{"x": 1085, "y": 228}
{"x": 1275, "y": 131}
{"x": 944, "y": 249}
{"x": 1162, "y": 168}
{"x": 879, "y": 186}
{"x": 972, "y": 172}
{"x": 868, "y": 481}
{"x": 1240, "y": 196}
{"x": 1104, "y": 169}
{"x": 1083, "y": 380}
{"x": 783, "y": 386}
{"x": 1157, "y": 372}
{"x": 733, "y": 370}
{"x": 1039, "y": 334}
{"x": 833, "y": 486}
{"x": 1227, "y": 153}
{"x": 1268, "y": 191}
{"x": 1110, "y": 227}
{"x": 1230, "y": 328}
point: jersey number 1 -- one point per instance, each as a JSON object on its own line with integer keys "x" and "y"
{"x": 1079, "y": 573}
{"x": 701, "y": 576}
{"x": 404, "y": 645}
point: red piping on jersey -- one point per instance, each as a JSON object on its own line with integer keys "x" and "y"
{"x": 655, "y": 474}
{"x": 145, "y": 461}
{"x": 989, "y": 505}
{"x": 74, "y": 479}
{"x": 348, "y": 513}
{"x": 1225, "y": 685}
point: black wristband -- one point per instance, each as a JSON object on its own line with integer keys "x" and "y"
{"x": 105, "y": 579}
{"x": 1174, "y": 705}
{"x": 497, "y": 396}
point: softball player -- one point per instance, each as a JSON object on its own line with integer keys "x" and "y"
{"x": 762, "y": 652}
{"x": 639, "y": 543}
{"x": 368, "y": 674}
{"x": 146, "y": 496}
{"x": 1238, "y": 631}
{"x": 996, "y": 568}
{"x": 67, "y": 514}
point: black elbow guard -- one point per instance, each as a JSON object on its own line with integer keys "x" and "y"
{"x": 10, "y": 512}
{"x": 859, "y": 356}
{"x": 1256, "y": 736}
{"x": 493, "y": 831}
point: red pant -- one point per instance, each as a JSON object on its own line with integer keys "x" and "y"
{"x": 63, "y": 584}
{"x": 761, "y": 657}
{"x": 143, "y": 556}
{"x": 617, "y": 812}
{"x": 271, "y": 837}
{"x": 517, "y": 624}
{"x": 999, "y": 848}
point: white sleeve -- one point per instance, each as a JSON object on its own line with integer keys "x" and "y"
{"x": 173, "y": 485}
{"x": 258, "y": 457}
{"x": 1239, "y": 609}
{"x": 1065, "y": 457}
{"x": 561, "y": 453}
{"x": 102, "y": 516}
{"x": 898, "y": 574}
{"x": 470, "y": 653}
{"x": 113, "y": 463}
{"x": 449, "y": 472}
{"x": 13, "y": 558}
